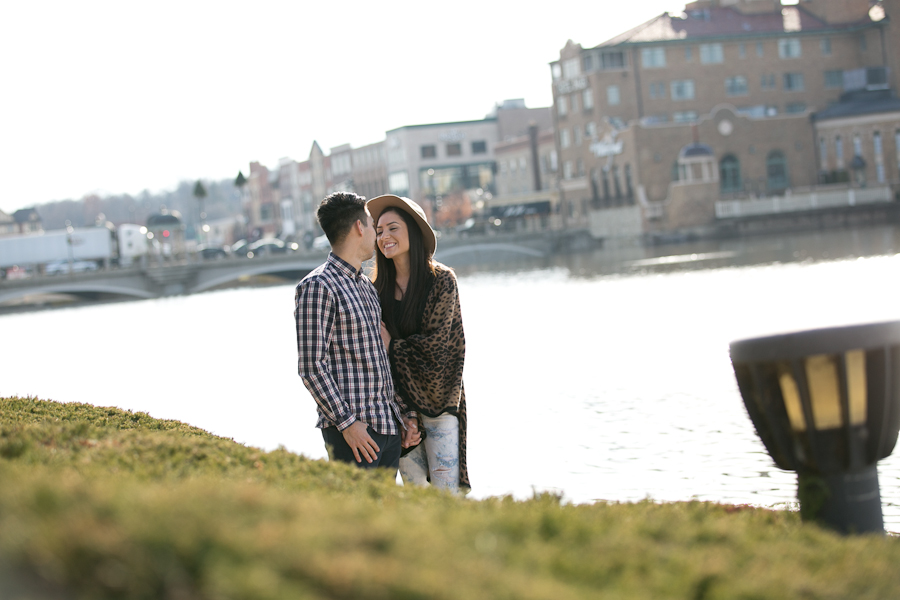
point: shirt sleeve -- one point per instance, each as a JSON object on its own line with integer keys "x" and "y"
{"x": 315, "y": 313}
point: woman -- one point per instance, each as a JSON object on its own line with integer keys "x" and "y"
{"x": 423, "y": 333}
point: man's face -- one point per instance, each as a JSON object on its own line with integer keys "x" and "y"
{"x": 368, "y": 245}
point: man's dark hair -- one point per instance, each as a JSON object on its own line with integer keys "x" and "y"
{"x": 338, "y": 212}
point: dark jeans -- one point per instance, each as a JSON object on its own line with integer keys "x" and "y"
{"x": 388, "y": 454}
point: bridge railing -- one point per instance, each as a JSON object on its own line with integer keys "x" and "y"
{"x": 802, "y": 202}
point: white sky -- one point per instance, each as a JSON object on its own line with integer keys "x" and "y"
{"x": 118, "y": 97}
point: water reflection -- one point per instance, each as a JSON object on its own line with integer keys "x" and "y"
{"x": 603, "y": 375}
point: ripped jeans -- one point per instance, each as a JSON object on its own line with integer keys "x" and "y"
{"x": 436, "y": 457}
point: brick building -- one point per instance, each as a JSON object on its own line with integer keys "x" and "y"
{"x": 667, "y": 125}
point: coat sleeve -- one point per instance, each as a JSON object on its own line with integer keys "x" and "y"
{"x": 428, "y": 366}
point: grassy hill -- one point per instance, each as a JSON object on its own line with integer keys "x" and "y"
{"x": 102, "y": 503}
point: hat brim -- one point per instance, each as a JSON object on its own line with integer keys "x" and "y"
{"x": 379, "y": 204}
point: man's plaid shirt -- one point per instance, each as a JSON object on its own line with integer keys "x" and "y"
{"x": 342, "y": 359}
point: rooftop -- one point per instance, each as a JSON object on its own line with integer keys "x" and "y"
{"x": 719, "y": 22}
{"x": 860, "y": 102}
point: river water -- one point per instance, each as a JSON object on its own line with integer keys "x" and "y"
{"x": 599, "y": 376}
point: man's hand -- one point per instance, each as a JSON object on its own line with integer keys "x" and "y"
{"x": 385, "y": 337}
{"x": 359, "y": 440}
{"x": 411, "y": 435}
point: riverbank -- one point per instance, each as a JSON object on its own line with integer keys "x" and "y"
{"x": 104, "y": 503}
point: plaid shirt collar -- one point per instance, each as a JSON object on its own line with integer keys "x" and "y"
{"x": 343, "y": 266}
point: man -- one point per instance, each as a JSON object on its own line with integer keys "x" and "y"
{"x": 342, "y": 358}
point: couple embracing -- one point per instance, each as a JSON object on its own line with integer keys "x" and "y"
{"x": 384, "y": 360}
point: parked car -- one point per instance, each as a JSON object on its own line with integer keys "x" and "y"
{"x": 62, "y": 266}
{"x": 240, "y": 248}
{"x": 270, "y": 246}
{"x": 213, "y": 252}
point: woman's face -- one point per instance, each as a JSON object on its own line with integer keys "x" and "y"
{"x": 392, "y": 234}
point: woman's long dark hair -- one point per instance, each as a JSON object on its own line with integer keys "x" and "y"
{"x": 421, "y": 275}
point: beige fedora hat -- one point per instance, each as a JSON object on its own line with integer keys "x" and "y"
{"x": 378, "y": 205}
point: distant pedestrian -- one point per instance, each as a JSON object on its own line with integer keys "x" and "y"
{"x": 342, "y": 358}
{"x": 427, "y": 346}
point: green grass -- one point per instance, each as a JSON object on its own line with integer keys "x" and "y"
{"x": 103, "y": 503}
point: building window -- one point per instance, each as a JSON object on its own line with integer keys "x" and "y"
{"x": 823, "y": 154}
{"x": 776, "y": 171}
{"x": 562, "y": 106}
{"x": 567, "y": 169}
{"x": 398, "y": 183}
{"x": 563, "y": 138}
{"x": 683, "y": 89}
{"x": 657, "y": 90}
{"x": 590, "y": 130}
{"x": 857, "y": 145}
{"x": 612, "y": 60}
{"x": 793, "y": 82}
{"x": 653, "y": 58}
{"x": 730, "y": 174}
{"x": 759, "y": 49}
{"x": 579, "y": 168}
{"x": 688, "y": 53}
{"x": 587, "y": 99}
{"x": 736, "y": 86}
{"x": 576, "y": 134}
{"x": 834, "y": 79}
{"x": 825, "y": 44}
{"x": 767, "y": 82}
{"x": 879, "y": 172}
{"x": 795, "y": 107}
{"x": 655, "y": 119}
{"x": 839, "y": 151}
{"x": 789, "y": 48}
{"x": 479, "y": 147}
{"x": 742, "y": 50}
{"x": 711, "y": 54}
{"x": 876, "y": 142}
{"x": 556, "y": 71}
{"x": 612, "y": 95}
{"x": 429, "y": 151}
{"x": 684, "y": 116}
{"x": 588, "y": 60}
{"x": 454, "y": 149}
{"x": 571, "y": 68}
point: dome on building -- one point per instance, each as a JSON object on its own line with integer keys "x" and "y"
{"x": 696, "y": 149}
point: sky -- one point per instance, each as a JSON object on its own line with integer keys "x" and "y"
{"x": 121, "y": 97}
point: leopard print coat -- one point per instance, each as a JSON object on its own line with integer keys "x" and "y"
{"x": 428, "y": 366}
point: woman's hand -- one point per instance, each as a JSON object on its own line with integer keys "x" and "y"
{"x": 411, "y": 436}
{"x": 385, "y": 336}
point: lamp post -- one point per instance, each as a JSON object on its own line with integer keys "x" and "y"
{"x": 69, "y": 231}
{"x": 826, "y": 404}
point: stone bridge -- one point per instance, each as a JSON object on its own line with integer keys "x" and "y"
{"x": 154, "y": 281}
{"x": 191, "y": 277}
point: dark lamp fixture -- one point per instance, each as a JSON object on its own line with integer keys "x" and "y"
{"x": 826, "y": 404}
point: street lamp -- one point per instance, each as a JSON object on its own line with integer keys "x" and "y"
{"x": 69, "y": 231}
{"x": 826, "y": 404}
